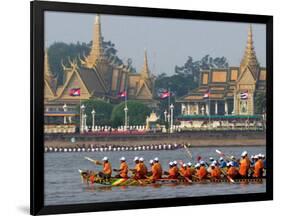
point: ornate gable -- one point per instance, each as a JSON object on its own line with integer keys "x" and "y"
{"x": 74, "y": 81}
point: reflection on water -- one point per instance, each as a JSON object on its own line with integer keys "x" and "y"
{"x": 63, "y": 183}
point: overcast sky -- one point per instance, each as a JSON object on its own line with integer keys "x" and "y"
{"x": 168, "y": 41}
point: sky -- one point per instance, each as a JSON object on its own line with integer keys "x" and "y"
{"x": 168, "y": 41}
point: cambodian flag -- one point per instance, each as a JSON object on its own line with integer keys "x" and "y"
{"x": 122, "y": 94}
{"x": 244, "y": 95}
{"x": 74, "y": 92}
{"x": 206, "y": 94}
{"x": 165, "y": 95}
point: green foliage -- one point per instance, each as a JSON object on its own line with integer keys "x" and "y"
{"x": 186, "y": 77}
{"x": 137, "y": 113}
{"x": 103, "y": 111}
{"x": 61, "y": 52}
{"x": 260, "y": 103}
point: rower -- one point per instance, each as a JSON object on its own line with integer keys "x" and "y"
{"x": 172, "y": 174}
{"x": 176, "y": 166}
{"x": 106, "y": 172}
{"x": 232, "y": 171}
{"x": 137, "y": 169}
{"x": 234, "y": 162}
{"x": 123, "y": 170}
{"x": 190, "y": 170}
{"x": 258, "y": 167}
{"x": 156, "y": 169}
{"x": 222, "y": 163}
{"x": 244, "y": 165}
{"x": 215, "y": 172}
{"x": 202, "y": 171}
{"x": 143, "y": 167}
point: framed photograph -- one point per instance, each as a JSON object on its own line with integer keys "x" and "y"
{"x": 143, "y": 108}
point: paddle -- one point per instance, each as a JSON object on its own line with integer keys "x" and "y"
{"x": 227, "y": 176}
{"x": 187, "y": 150}
{"x": 93, "y": 161}
{"x": 222, "y": 154}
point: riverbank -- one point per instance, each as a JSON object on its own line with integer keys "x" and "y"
{"x": 196, "y": 139}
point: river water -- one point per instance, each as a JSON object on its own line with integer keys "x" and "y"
{"x": 63, "y": 184}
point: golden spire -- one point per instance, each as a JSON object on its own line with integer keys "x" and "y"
{"x": 49, "y": 76}
{"x": 145, "y": 69}
{"x": 250, "y": 58}
{"x": 96, "y": 52}
{"x": 47, "y": 71}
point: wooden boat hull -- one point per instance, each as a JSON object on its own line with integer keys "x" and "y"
{"x": 91, "y": 178}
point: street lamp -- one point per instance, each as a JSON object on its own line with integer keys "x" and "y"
{"x": 172, "y": 112}
{"x": 93, "y": 117}
{"x": 82, "y": 110}
{"x": 165, "y": 115}
{"x": 126, "y": 117}
{"x": 65, "y": 110}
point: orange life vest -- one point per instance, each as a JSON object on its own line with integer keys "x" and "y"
{"x": 124, "y": 170}
{"x": 232, "y": 172}
{"x": 244, "y": 167}
{"x": 202, "y": 172}
{"x": 107, "y": 168}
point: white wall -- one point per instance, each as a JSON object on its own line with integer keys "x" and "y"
{"x": 14, "y": 149}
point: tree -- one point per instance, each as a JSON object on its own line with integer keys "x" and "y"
{"x": 137, "y": 113}
{"x": 102, "y": 108}
{"x": 186, "y": 77}
{"x": 61, "y": 52}
{"x": 260, "y": 102}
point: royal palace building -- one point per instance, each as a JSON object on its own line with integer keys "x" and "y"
{"x": 228, "y": 91}
{"x": 96, "y": 76}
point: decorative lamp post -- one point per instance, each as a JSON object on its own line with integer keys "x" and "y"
{"x": 85, "y": 123}
{"x": 82, "y": 110}
{"x": 165, "y": 115}
{"x": 126, "y": 117}
{"x": 93, "y": 121}
{"x": 203, "y": 110}
{"x": 172, "y": 112}
{"x": 65, "y": 110}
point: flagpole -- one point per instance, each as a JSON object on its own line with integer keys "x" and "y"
{"x": 126, "y": 108}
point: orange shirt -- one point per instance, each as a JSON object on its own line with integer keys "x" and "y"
{"x": 124, "y": 170}
{"x": 107, "y": 168}
{"x": 202, "y": 172}
{"x": 258, "y": 168}
{"x": 215, "y": 173}
{"x": 232, "y": 172}
{"x": 156, "y": 170}
{"x": 244, "y": 167}
{"x": 173, "y": 174}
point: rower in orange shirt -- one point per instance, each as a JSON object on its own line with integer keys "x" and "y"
{"x": 137, "y": 169}
{"x": 258, "y": 167}
{"x": 123, "y": 171}
{"x": 215, "y": 172}
{"x": 173, "y": 174}
{"x": 156, "y": 169}
{"x": 232, "y": 171}
{"x": 143, "y": 168}
{"x": 201, "y": 171}
{"x": 106, "y": 172}
{"x": 244, "y": 165}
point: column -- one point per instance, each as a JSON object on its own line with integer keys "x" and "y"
{"x": 207, "y": 108}
{"x": 183, "y": 109}
{"x": 216, "y": 107}
{"x": 188, "y": 109}
{"x": 197, "y": 108}
{"x": 225, "y": 107}
{"x": 234, "y": 104}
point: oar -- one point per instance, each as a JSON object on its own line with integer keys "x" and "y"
{"x": 187, "y": 150}
{"x": 222, "y": 154}
{"x": 93, "y": 161}
{"x": 227, "y": 176}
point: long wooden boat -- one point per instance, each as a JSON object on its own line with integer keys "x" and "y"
{"x": 89, "y": 177}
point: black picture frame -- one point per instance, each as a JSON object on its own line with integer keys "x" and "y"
{"x": 37, "y": 133}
